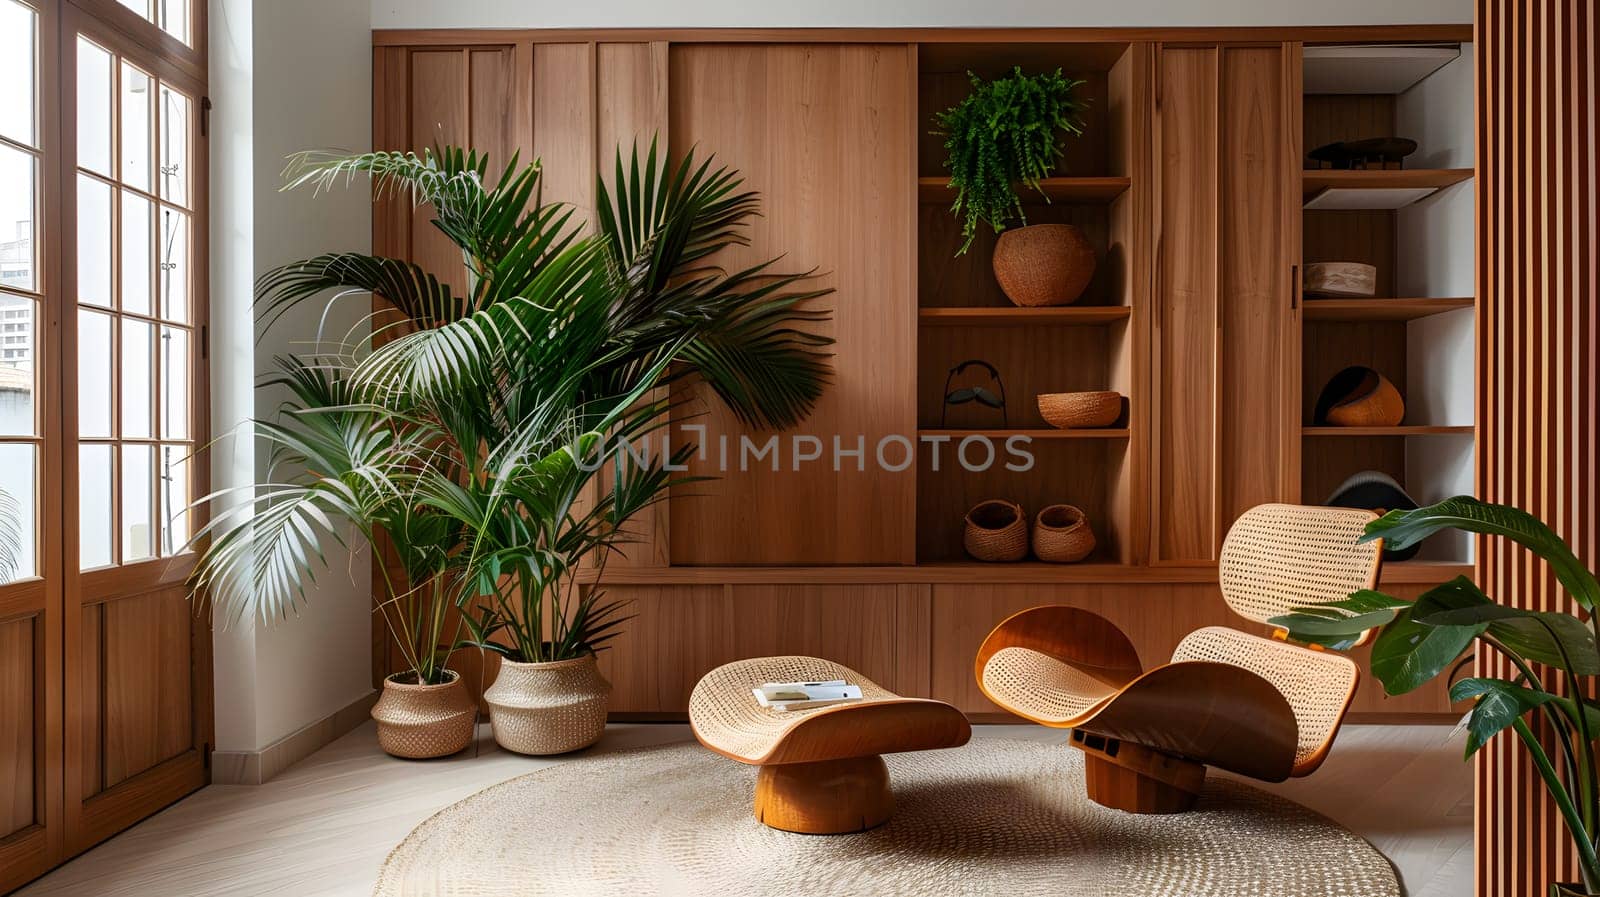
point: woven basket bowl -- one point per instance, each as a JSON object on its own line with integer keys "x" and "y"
{"x": 1043, "y": 264}
{"x": 1061, "y": 535}
{"x": 996, "y": 530}
{"x": 418, "y": 722}
{"x": 1080, "y": 410}
{"x": 1373, "y": 403}
{"x": 548, "y": 708}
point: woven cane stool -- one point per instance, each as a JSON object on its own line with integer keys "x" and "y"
{"x": 820, "y": 771}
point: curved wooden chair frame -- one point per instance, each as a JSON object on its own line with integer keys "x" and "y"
{"x": 820, "y": 771}
{"x": 1257, "y": 707}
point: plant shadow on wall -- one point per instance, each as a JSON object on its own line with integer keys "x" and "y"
{"x": 471, "y": 434}
{"x": 1553, "y": 653}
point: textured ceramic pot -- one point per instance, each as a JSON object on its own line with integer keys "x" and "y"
{"x": 548, "y": 708}
{"x": 422, "y": 721}
{"x": 1043, "y": 264}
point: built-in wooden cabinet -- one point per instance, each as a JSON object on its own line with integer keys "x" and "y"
{"x": 1189, "y": 184}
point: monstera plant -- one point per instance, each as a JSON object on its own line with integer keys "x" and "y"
{"x": 484, "y": 434}
{"x": 1553, "y": 653}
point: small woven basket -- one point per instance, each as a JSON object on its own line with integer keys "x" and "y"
{"x": 996, "y": 530}
{"x": 1043, "y": 264}
{"x": 1080, "y": 410}
{"x": 1061, "y": 535}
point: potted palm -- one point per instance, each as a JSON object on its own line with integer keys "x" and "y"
{"x": 1421, "y": 640}
{"x": 1008, "y": 132}
{"x": 473, "y": 438}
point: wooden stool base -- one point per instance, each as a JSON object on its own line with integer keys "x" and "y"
{"x": 833, "y": 797}
{"x": 1136, "y": 779}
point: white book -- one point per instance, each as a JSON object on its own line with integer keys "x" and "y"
{"x": 803, "y": 695}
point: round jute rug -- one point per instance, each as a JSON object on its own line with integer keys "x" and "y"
{"x": 997, "y": 817}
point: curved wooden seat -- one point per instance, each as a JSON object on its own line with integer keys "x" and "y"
{"x": 821, "y": 770}
{"x": 1251, "y": 705}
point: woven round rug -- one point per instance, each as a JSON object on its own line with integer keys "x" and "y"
{"x": 998, "y": 816}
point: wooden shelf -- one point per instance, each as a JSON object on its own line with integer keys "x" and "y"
{"x": 1402, "y": 430}
{"x": 1313, "y": 182}
{"x": 1112, "y": 433}
{"x": 1092, "y": 191}
{"x": 1379, "y": 309}
{"x": 975, "y": 572}
{"x": 1064, "y": 316}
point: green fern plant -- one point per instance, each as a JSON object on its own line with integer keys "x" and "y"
{"x": 1007, "y": 130}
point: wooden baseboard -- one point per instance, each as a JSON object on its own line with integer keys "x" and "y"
{"x": 257, "y": 767}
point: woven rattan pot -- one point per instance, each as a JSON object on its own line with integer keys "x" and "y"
{"x": 548, "y": 708}
{"x": 1043, "y": 264}
{"x": 1080, "y": 410}
{"x": 1061, "y": 535}
{"x": 996, "y": 530}
{"x": 422, "y": 721}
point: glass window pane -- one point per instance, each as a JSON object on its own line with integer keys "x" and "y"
{"x": 142, "y": 7}
{"x": 18, "y": 89}
{"x": 174, "y": 265}
{"x": 174, "y": 383}
{"x": 138, "y": 253}
{"x": 175, "y": 498}
{"x": 174, "y": 146}
{"x": 94, "y": 107}
{"x": 18, "y": 183}
{"x": 18, "y": 523}
{"x": 94, "y": 375}
{"x": 138, "y": 487}
{"x": 175, "y": 18}
{"x": 94, "y": 241}
{"x": 136, "y": 366}
{"x": 137, "y": 129}
{"x": 94, "y": 510}
{"x": 16, "y": 366}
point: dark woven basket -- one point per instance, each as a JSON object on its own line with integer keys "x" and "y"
{"x": 996, "y": 530}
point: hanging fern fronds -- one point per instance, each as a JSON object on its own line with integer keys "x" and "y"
{"x": 1007, "y": 130}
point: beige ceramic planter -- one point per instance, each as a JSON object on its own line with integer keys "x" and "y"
{"x": 421, "y": 721}
{"x": 548, "y": 708}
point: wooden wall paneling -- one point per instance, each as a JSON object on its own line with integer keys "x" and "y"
{"x": 1184, "y": 339}
{"x": 1260, "y": 192}
{"x": 438, "y": 93}
{"x": 822, "y": 132}
{"x": 493, "y": 119}
{"x": 144, "y": 683}
{"x": 1538, "y": 220}
{"x": 680, "y": 633}
{"x": 1365, "y": 235}
{"x": 564, "y": 124}
{"x": 1329, "y": 118}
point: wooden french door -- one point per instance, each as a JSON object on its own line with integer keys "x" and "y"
{"x": 105, "y": 707}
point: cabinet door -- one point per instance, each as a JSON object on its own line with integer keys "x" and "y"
{"x": 1227, "y": 234}
{"x": 825, "y": 133}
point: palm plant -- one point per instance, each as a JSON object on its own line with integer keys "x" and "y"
{"x": 474, "y": 437}
{"x": 1421, "y": 640}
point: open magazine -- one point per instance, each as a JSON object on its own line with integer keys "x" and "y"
{"x": 785, "y": 696}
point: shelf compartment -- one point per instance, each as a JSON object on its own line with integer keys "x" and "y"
{"x": 1106, "y": 433}
{"x": 1375, "y": 188}
{"x": 1402, "y": 430}
{"x": 1087, "y": 190}
{"x": 1065, "y": 316}
{"x": 1406, "y": 309}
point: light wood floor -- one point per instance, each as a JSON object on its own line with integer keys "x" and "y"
{"x": 324, "y": 826}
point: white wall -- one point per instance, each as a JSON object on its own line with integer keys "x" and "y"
{"x": 286, "y": 75}
{"x": 909, "y": 13}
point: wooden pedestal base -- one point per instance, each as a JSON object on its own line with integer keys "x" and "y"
{"x": 833, "y": 797}
{"x": 1134, "y": 778}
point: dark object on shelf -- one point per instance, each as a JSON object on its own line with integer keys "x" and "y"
{"x": 1061, "y": 535}
{"x": 1374, "y": 490}
{"x": 979, "y": 394}
{"x": 1043, "y": 264}
{"x": 996, "y": 530}
{"x": 1359, "y": 397}
{"x": 1341, "y": 279}
{"x": 1354, "y": 155}
{"x": 1080, "y": 410}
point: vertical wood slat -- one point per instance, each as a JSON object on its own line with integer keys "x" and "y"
{"x": 1537, "y": 340}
